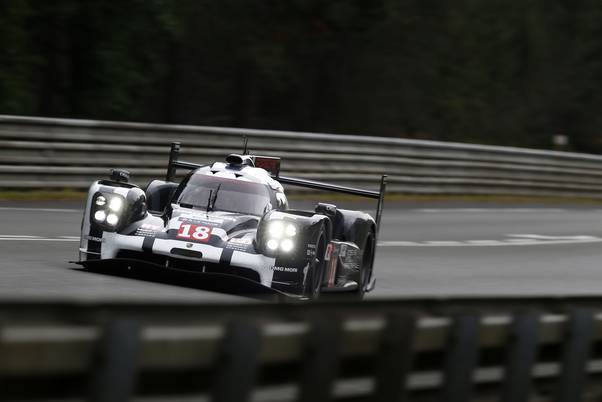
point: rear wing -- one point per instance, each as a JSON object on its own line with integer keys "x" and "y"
{"x": 175, "y": 163}
{"x": 376, "y": 195}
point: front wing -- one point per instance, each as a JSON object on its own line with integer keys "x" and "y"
{"x": 281, "y": 275}
{"x": 221, "y": 282}
{"x": 172, "y": 252}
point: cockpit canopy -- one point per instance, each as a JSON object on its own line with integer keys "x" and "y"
{"x": 213, "y": 193}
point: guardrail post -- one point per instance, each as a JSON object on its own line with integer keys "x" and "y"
{"x": 114, "y": 376}
{"x": 575, "y": 356}
{"x": 236, "y": 369}
{"x": 520, "y": 357}
{"x": 321, "y": 360}
{"x": 461, "y": 359}
{"x": 395, "y": 358}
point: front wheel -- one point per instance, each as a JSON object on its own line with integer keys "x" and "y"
{"x": 315, "y": 274}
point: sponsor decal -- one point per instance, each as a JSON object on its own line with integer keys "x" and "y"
{"x": 332, "y": 256}
{"x": 195, "y": 232}
{"x": 311, "y": 250}
{"x": 328, "y": 252}
{"x": 93, "y": 238}
{"x": 148, "y": 226}
{"x": 147, "y": 230}
{"x": 242, "y": 240}
{"x": 284, "y": 269}
{"x": 240, "y": 244}
{"x": 198, "y": 220}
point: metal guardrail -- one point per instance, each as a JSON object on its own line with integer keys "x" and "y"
{"x": 510, "y": 350}
{"x": 60, "y": 153}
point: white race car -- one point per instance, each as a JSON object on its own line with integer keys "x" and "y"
{"x": 231, "y": 219}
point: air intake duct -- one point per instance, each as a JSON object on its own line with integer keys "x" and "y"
{"x": 237, "y": 160}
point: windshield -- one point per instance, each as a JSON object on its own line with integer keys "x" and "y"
{"x": 201, "y": 191}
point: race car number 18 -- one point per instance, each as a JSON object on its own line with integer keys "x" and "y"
{"x": 194, "y": 232}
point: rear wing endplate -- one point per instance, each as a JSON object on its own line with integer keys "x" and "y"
{"x": 175, "y": 163}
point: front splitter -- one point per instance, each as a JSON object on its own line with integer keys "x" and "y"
{"x": 212, "y": 281}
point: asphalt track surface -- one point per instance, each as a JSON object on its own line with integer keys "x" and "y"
{"x": 434, "y": 249}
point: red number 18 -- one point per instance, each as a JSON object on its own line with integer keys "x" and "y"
{"x": 195, "y": 232}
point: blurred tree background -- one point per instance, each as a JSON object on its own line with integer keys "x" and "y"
{"x": 484, "y": 71}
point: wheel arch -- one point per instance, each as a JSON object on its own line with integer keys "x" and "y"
{"x": 356, "y": 226}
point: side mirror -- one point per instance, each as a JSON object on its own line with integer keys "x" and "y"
{"x": 137, "y": 208}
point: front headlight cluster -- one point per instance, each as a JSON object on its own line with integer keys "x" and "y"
{"x": 108, "y": 209}
{"x": 280, "y": 236}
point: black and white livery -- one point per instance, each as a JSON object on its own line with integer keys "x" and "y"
{"x": 232, "y": 219}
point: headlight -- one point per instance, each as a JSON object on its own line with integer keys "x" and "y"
{"x": 287, "y": 245}
{"x": 280, "y": 235}
{"x": 108, "y": 210}
{"x": 276, "y": 229}
{"x": 280, "y": 229}
{"x": 272, "y": 244}
{"x": 112, "y": 219}
{"x": 115, "y": 204}
{"x": 291, "y": 230}
{"x": 100, "y": 216}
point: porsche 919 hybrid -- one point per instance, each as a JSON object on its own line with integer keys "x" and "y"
{"x": 232, "y": 220}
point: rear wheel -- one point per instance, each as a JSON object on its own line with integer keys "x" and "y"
{"x": 313, "y": 281}
{"x": 367, "y": 263}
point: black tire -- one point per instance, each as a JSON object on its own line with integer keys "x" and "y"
{"x": 315, "y": 274}
{"x": 367, "y": 265}
{"x": 90, "y": 267}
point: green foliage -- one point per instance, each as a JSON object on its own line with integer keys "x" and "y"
{"x": 17, "y": 59}
{"x": 499, "y": 72}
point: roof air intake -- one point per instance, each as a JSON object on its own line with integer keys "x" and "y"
{"x": 235, "y": 159}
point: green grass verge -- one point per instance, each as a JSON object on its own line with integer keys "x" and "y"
{"x": 43, "y": 195}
